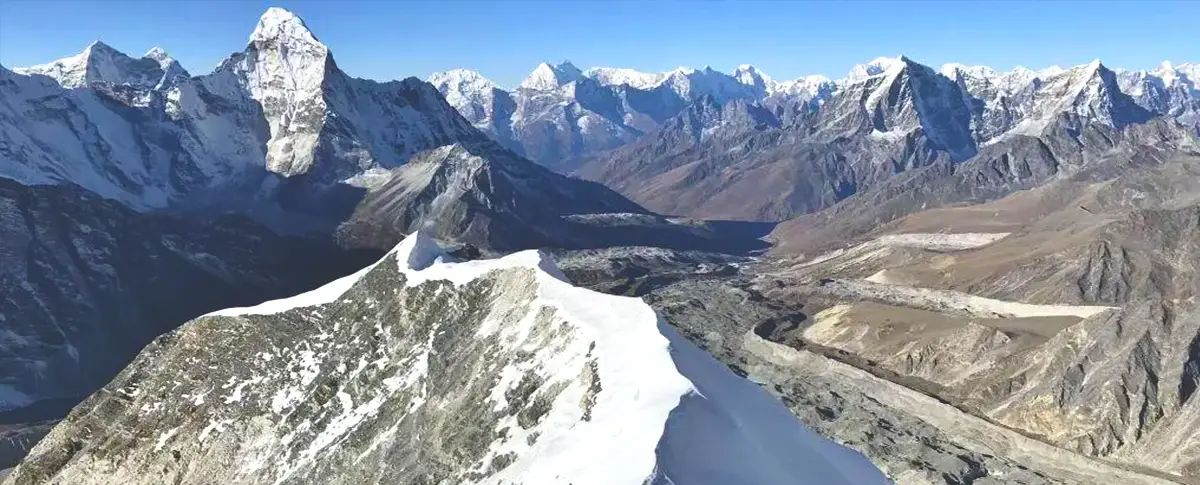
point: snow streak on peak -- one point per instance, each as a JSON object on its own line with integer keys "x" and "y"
{"x": 877, "y": 66}
{"x": 466, "y": 77}
{"x": 751, "y": 76}
{"x": 158, "y": 54}
{"x": 101, "y": 63}
{"x": 616, "y": 76}
{"x": 953, "y": 70}
{"x": 548, "y": 77}
{"x": 277, "y": 24}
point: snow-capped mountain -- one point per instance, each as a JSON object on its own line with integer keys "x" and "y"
{"x": 877, "y": 66}
{"x": 117, "y": 186}
{"x": 1169, "y": 90}
{"x": 560, "y": 113}
{"x": 277, "y": 110}
{"x": 101, "y": 64}
{"x": 547, "y": 77}
{"x": 421, "y": 369}
{"x": 888, "y": 117}
{"x": 616, "y": 76}
{"x": 552, "y": 124}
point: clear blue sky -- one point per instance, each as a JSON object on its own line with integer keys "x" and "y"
{"x": 505, "y": 40}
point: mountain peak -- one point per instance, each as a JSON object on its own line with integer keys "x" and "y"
{"x": 877, "y": 66}
{"x": 615, "y": 76}
{"x": 157, "y": 53}
{"x": 98, "y": 62}
{"x": 100, "y": 46}
{"x": 277, "y": 24}
{"x": 547, "y": 77}
{"x": 751, "y": 76}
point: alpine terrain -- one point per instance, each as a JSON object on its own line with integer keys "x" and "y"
{"x": 419, "y": 369}
{"x": 276, "y": 272}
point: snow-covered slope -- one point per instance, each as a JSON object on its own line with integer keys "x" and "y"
{"x": 422, "y": 369}
{"x": 877, "y": 66}
{"x": 616, "y": 76}
{"x": 145, "y": 133}
{"x": 548, "y": 77}
{"x": 559, "y": 117}
{"x": 99, "y": 63}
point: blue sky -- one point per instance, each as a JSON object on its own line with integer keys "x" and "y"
{"x": 505, "y": 40}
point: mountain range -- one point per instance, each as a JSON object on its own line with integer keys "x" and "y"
{"x": 968, "y": 276}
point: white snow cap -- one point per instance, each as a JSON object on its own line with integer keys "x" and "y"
{"x": 877, "y": 66}
{"x": 548, "y": 77}
{"x": 666, "y": 410}
{"x": 616, "y": 76}
{"x": 156, "y": 53}
{"x": 280, "y": 24}
{"x": 751, "y": 76}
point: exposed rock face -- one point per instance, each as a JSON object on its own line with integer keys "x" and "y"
{"x": 486, "y": 197}
{"x": 897, "y": 117}
{"x": 86, "y": 282}
{"x": 119, "y": 174}
{"x": 416, "y": 370}
{"x": 100, "y": 64}
{"x": 276, "y": 119}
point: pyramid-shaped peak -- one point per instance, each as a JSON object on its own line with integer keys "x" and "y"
{"x": 157, "y": 53}
{"x": 460, "y": 79}
{"x": 877, "y": 66}
{"x": 277, "y": 24}
{"x": 548, "y": 76}
{"x": 751, "y": 76}
{"x": 100, "y": 46}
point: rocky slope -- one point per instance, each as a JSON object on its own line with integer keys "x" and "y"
{"x": 873, "y": 128}
{"x": 104, "y": 153}
{"x": 498, "y": 202}
{"x": 274, "y": 121}
{"x": 501, "y": 370}
{"x": 87, "y": 282}
{"x": 1112, "y": 235}
{"x": 911, "y": 435}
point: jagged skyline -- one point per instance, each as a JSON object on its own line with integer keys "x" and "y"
{"x": 792, "y": 41}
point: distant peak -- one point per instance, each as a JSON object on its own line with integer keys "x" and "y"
{"x": 751, "y": 76}
{"x": 1051, "y": 71}
{"x": 281, "y": 25}
{"x": 457, "y": 75}
{"x": 99, "y": 45}
{"x": 157, "y": 53}
{"x": 549, "y": 77}
{"x": 877, "y": 66}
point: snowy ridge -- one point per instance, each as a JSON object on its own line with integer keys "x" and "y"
{"x": 546, "y": 77}
{"x": 100, "y": 63}
{"x": 616, "y": 76}
{"x": 634, "y": 102}
{"x": 877, "y": 66}
{"x": 665, "y": 411}
{"x": 188, "y": 137}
